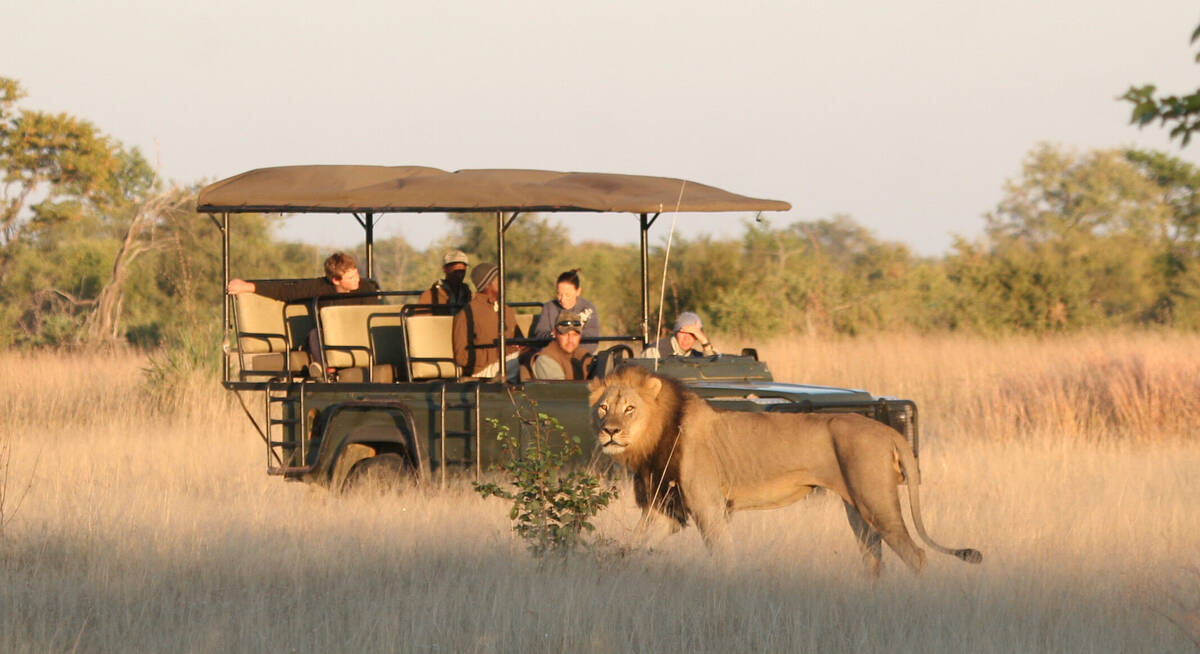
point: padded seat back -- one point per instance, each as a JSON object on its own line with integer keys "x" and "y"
{"x": 259, "y": 324}
{"x": 360, "y": 335}
{"x": 430, "y": 347}
{"x": 263, "y": 328}
{"x": 525, "y": 323}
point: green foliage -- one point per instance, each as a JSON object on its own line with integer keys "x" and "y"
{"x": 1177, "y": 250}
{"x": 1098, "y": 239}
{"x": 552, "y": 506}
{"x": 1180, "y": 111}
{"x": 56, "y": 154}
{"x": 1075, "y": 242}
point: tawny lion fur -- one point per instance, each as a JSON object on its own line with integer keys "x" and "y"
{"x": 690, "y": 459}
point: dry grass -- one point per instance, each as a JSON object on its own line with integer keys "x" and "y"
{"x": 144, "y": 532}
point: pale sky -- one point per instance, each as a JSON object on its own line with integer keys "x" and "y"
{"x": 907, "y": 116}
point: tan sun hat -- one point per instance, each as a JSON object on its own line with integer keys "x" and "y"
{"x": 457, "y": 256}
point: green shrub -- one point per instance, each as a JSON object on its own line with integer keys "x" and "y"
{"x": 552, "y": 506}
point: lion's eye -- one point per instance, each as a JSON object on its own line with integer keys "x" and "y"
{"x": 629, "y": 409}
{"x": 602, "y": 409}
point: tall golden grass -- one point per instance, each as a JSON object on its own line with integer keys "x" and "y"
{"x": 1070, "y": 462}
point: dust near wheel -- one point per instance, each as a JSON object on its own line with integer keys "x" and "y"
{"x": 379, "y": 474}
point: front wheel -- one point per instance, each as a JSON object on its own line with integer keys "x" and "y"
{"x": 379, "y": 474}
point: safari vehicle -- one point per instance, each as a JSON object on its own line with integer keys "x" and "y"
{"x": 398, "y": 404}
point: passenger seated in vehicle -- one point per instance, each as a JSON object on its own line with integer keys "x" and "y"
{"x": 685, "y": 338}
{"x": 563, "y": 358}
{"x": 450, "y": 294}
{"x": 567, "y": 298}
{"x": 477, "y": 327}
{"x": 341, "y": 276}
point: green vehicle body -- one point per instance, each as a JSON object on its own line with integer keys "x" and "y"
{"x": 319, "y": 431}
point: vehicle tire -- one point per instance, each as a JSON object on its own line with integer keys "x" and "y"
{"x": 379, "y": 475}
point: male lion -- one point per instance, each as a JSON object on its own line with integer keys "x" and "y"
{"x": 690, "y": 459}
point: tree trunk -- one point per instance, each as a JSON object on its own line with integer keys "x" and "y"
{"x": 103, "y": 324}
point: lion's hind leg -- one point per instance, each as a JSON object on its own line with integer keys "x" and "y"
{"x": 866, "y": 465}
{"x": 869, "y": 540}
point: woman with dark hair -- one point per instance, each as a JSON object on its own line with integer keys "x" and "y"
{"x": 567, "y": 298}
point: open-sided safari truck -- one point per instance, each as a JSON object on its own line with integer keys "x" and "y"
{"x": 399, "y": 404}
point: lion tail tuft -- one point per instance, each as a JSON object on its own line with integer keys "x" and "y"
{"x": 969, "y": 555}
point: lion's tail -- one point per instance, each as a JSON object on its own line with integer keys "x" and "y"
{"x": 909, "y": 463}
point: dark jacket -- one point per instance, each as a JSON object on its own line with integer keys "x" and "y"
{"x": 445, "y": 301}
{"x": 286, "y": 290}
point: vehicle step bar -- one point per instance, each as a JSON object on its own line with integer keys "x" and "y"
{"x": 288, "y": 471}
{"x": 472, "y": 436}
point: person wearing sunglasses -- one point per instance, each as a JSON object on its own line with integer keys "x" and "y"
{"x": 563, "y": 358}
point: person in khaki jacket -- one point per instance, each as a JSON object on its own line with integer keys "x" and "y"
{"x": 477, "y": 327}
{"x": 563, "y": 358}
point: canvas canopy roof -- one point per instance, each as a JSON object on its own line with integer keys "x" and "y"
{"x": 382, "y": 189}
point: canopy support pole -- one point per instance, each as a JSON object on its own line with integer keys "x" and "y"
{"x": 502, "y": 344}
{"x": 223, "y": 226}
{"x": 367, "y": 222}
{"x": 645, "y": 220}
{"x": 369, "y": 226}
{"x": 645, "y": 227}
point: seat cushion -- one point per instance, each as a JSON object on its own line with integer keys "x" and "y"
{"x": 275, "y": 361}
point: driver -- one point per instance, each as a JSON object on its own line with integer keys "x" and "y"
{"x": 563, "y": 358}
{"x": 686, "y": 339}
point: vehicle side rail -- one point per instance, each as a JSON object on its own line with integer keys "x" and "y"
{"x": 589, "y": 339}
{"x": 880, "y": 409}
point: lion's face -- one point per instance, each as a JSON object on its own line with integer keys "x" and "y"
{"x": 622, "y": 413}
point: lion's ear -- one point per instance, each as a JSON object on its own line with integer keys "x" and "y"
{"x": 652, "y": 386}
{"x": 595, "y": 390}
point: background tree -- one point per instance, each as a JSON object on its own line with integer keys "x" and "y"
{"x": 1070, "y": 245}
{"x": 1177, "y": 256}
{"x": 61, "y": 155}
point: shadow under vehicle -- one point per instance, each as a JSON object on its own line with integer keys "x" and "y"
{"x": 397, "y": 404}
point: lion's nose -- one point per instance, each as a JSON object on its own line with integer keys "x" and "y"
{"x": 610, "y": 431}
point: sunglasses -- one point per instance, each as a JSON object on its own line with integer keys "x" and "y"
{"x": 570, "y": 323}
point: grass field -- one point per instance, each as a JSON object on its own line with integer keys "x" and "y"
{"x": 1073, "y": 464}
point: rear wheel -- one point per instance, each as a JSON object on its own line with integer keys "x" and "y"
{"x": 379, "y": 474}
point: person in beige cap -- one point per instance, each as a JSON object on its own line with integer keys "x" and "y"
{"x": 448, "y": 295}
{"x": 477, "y": 327}
{"x": 686, "y": 339}
{"x": 563, "y": 358}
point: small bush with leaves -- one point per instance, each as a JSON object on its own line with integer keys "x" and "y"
{"x": 551, "y": 507}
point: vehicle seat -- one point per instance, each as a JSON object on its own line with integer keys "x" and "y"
{"x": 264, "y": 327}
{"x": 430, "y": 347}
{"x": 364, "y": 342}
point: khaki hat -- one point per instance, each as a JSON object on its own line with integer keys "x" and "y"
{"x": 457, "y": 256}
{"x": 483, "y": 274}
{"x": 569, "y": 321}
